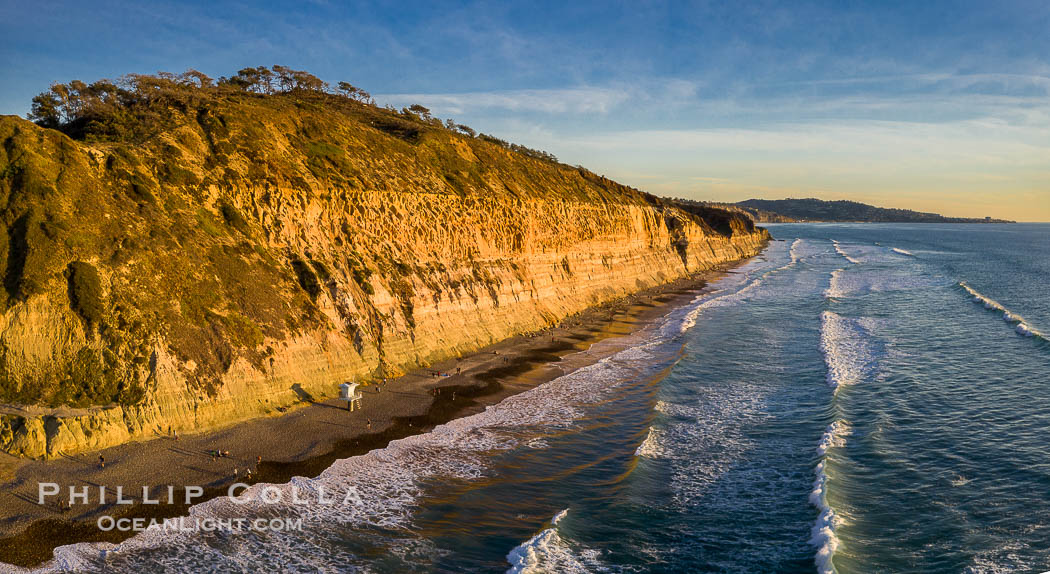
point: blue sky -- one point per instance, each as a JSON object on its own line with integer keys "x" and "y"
{"x": 940, "y": 106}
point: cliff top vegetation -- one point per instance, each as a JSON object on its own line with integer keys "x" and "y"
{"x": 136, "y": 106}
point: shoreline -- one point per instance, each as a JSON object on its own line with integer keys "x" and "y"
{"x": 308, "y": 439}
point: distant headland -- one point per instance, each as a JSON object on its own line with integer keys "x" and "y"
{"x": 812, "y": 209}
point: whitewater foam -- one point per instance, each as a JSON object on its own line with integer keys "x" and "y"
{"x": 549, "y": 551}
{"x": 903, "y": 252}
{"x": 697, "y": 440}
{"x": 834, "y": 436}
{"x": 726, "y": 296}
{"x": 835, "y": 290}
{"x": 1019, "y": 323}
{"x": 651, "y": 447}
{"x": 795, "y": 257}
{"x": 823, "y": 536}
{"x": 1009, "y": 557}
{"x": 718, "y": 299}
{"x": 718, "y": 289}
{"x": 848, "y": 349}
{"x": 838, "y": 249}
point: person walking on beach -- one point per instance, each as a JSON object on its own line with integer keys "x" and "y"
{"x": 101, "y": 462}
{"x": 369, "y": 423}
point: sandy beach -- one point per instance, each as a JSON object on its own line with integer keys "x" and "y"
{"x": 305, "y": 440}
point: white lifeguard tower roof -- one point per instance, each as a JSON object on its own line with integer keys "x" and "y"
{"x": 348, "y": 390}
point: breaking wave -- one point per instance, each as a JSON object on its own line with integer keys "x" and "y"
{"x": 753, "y": 279}
{"x": 903, "y": 252}
{"x": 795, "y": 257}
{"x": 651, "y": 447}
{"x": 848, "y": 350}
{"x": 549, "y": 551}
{"x": 835, "y": 436}
{"x": 850, "y": 355}
{"x": 838, "y": 249}
{"x": 823, "y": 533}
{"x": 834, "y": 290}
{"x": 714, "y": 299}
{"x": 1019, "y": 323}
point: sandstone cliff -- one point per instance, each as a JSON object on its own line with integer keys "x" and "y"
{"x": 255, "y": 251}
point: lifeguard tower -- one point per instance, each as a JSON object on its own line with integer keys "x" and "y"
{"x": 348, "y": 392}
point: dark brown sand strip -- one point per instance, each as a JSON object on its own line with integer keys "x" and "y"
{"x": 306, "y": 440}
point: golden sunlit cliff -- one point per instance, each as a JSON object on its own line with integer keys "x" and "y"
{"x": 252, "y": 251}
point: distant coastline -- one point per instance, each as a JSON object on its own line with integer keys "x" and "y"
{"x": 818, "y": 210}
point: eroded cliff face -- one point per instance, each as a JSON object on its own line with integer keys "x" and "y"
{"x": 261, "y": 252}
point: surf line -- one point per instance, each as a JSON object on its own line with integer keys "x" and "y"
{"x": 1021, "y": 327}
{"x": 823, "y": 535}
{"x": 550, "y": 551}
{"x": 720, "y": 297}
{"x": 795, "y": 258}
{"x": 846, "y": 364}
{"x": 834, "y": 291}
{"x": 838, "y": 249}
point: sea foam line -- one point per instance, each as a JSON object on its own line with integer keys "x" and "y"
{"x": 718, "y": 298}
{"x": 903, "y": 252}
{"x": 1020, "y": 325}
{"x": 707, "y": 301}
{"x": 823, "y": 535}
{"x": 838, "y": 249}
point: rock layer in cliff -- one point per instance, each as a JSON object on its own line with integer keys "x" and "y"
{"x": 231, "y": 253}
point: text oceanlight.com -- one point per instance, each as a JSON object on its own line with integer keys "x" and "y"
{"x": 190, "y": 524}
{"x": 238, "y": 493}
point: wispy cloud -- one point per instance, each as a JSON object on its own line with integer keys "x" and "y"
{"x": 657, "y": 94}
{"x": 929, "y": 98}
{"x": 582, "y": 100}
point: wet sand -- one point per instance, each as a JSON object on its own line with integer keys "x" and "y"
{"x": 308, "y": 439}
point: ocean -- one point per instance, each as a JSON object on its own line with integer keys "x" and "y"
{"x": 859, "y": 398}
